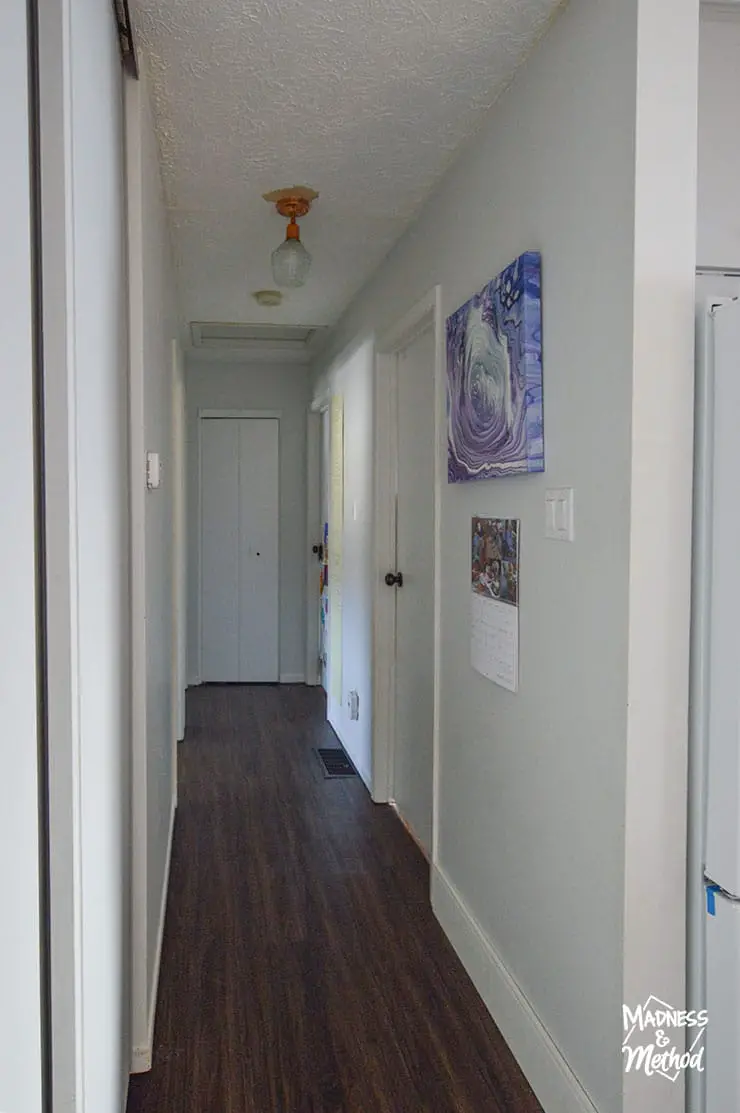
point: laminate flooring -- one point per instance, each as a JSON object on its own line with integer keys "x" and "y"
{"x": 303, "y": 970}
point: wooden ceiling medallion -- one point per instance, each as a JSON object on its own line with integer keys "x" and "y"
{"x": 292, "y": 203}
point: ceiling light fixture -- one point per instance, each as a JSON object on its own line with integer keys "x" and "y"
{"x": 291, "y": 261}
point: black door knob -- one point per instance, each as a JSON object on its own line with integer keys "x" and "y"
{"x": 394, "y": 579}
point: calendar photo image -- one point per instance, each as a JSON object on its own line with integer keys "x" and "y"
{"x": 494, "y": 600}
{"x": 495, "y": 559}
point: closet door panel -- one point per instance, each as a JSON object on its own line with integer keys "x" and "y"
{"x": 259, "y": 555}
{"x": 220, "y": 443}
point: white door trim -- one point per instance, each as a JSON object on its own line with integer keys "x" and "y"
{"x": 208, "y": 413}
{"x": 426, "y": 313}
{"x": 137, "y": 546}
{"x": 313, "y": 537}
{"x": 62, "y": 566}
{"x": 179, "y": 550}
{"x": 314, "y": 532}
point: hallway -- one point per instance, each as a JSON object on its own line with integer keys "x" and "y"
{"x": 303, "y": 970}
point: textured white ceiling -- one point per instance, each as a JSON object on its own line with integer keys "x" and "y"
{"x": 364, "y": 100}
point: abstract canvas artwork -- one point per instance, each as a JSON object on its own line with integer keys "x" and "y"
{"x": 494, "y": 378}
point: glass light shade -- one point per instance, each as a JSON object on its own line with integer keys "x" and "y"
{"x": 290, "y": 263}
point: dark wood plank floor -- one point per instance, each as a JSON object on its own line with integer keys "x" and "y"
{"x": 303, "y": 970}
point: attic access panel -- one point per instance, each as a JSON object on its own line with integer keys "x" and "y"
{"x": 217, "y": 334}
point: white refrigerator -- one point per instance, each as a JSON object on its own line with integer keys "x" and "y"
{"x": 714, "y": 763}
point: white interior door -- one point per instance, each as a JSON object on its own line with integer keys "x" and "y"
{"x": 324, "y": 618}
{"x": 239, "y": 549}
{"x": 414, "y": 672}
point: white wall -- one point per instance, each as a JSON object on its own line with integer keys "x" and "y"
{"x": 153, "y": 327}
{"x": 536, "y": 878}
{"x": 20, "y": 997}
{"x": 219, "y": 385}
{"x": 719, "y": 142}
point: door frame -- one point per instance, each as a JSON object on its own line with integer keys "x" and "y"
{"x": 205, "y": 414}
{"x": 318, "y": 408}
{"x": 314, "y": 536}
{"x": 425, "y": 314}
{"x": 179, "y": 550}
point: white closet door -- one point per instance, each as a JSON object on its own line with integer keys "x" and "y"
{"x": 413, "y": 754}
{"x": 258, "y": 549}
{"x": 220, "y": 550}
{"x": 239, "y": 549}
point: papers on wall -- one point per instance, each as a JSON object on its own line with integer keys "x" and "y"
{"x": 494, "y": 600}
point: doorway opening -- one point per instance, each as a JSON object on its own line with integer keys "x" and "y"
{"x": 325, "y": 540}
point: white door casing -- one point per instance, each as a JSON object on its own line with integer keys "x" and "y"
{"x": 325, "y": 481}
{"x": 336, "y": 560}
{"x": 179, "y": 548}
{"x": 313, "y": 537}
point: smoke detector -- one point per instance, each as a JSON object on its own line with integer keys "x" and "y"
{"x": 269, "y": 299}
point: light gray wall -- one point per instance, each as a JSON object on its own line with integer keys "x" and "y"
{"x": 215, "y": 384}
{"x": 719, "y": 142}
{"x": 20, "y": 1033}
{"x": 533, "y": 789}
{"x": 153, "y": 329}
{"x": 160, "y": 328}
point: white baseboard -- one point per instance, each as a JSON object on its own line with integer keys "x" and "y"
{"x": 542, "y": 1062}
{"x": 141, "y": 1055}
{"x": 292, "y": 678}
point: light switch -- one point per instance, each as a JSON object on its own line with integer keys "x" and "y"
{"x": 559, "y": 513}
{"x": 153, "y": 471}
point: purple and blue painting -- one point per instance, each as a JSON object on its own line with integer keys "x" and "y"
{"x": 494, "y": 378}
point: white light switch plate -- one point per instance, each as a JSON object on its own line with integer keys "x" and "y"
{"x": 153, "y": 471}
{"x": 559, "y": 513}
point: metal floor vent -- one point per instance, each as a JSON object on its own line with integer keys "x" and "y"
{"x": 335, "y": 763}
